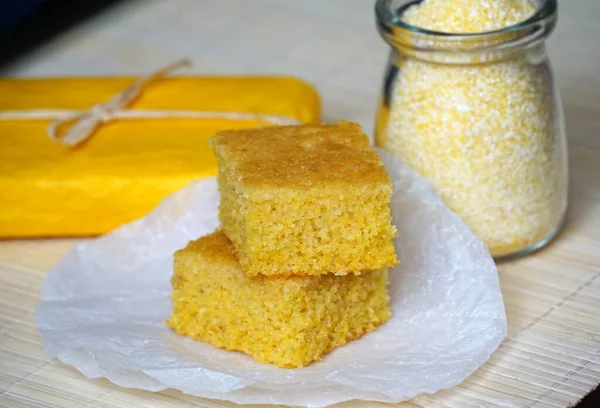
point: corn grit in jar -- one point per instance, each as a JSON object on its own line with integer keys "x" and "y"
{"x": 469, "y": 102}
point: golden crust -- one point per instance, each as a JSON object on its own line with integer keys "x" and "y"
{"x": 301, "y": 156}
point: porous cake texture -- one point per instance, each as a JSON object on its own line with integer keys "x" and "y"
{"x": 287, "y": 321}
{"x": 305, "y": 200}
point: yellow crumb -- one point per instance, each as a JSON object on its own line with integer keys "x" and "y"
{"x": 305, "y": 200}
{"x": 287, "y": 321}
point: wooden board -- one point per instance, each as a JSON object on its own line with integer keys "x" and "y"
{"x": 551, "y": 357}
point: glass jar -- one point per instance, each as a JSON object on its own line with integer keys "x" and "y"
{"x": 479, "y": 115}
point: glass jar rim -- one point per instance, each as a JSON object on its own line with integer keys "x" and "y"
{"x": 463, "y": 48}
{"x": 387, "y": 18}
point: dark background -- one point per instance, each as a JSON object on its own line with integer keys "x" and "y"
{"x": 28, "y": 24}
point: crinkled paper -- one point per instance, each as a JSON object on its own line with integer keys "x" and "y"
{"x": 103, "y": 308}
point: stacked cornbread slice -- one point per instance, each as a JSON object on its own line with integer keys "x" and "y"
{"x": 299, "y": 265}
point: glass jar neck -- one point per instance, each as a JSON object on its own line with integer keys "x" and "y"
{"x": 523, "y": 39}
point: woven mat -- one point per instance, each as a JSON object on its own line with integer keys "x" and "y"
{"x": 551, "y": 357}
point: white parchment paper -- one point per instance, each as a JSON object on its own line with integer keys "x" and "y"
{"x": 103, "y": 308}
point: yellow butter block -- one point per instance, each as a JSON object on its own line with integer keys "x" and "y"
{"x": 129, "y": 165}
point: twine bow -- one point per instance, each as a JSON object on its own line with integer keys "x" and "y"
{"x": 84, "y": 123}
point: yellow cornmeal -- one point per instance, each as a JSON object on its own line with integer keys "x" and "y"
{"x": 468, "y": 16}
{"x": 483, "y": 134}
{"x": 305, "y": 200}
{"x": 287, "y": 321}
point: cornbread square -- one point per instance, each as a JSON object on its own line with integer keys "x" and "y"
{"x": 287, "y": 321}
{"x": 305, "y": 200}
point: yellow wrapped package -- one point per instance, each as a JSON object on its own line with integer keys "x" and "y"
{"x": 129, "y": 163}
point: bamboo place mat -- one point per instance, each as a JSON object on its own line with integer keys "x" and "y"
{"x": 551, "y": 357}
